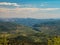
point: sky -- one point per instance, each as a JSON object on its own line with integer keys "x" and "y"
{"x": 40, "y": 9}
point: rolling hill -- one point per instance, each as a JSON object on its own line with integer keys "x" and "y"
{"x": 29, "y": 31}
{"x": 12, "y": 27}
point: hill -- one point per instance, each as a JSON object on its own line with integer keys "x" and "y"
{"x": 12, "y": 27}
{"x": 50, "y": 27}
{"x": 29, "y": 31}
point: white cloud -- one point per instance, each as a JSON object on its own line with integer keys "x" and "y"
{"x": 28, "y": 13}
{"x": 49, "y": 9}
{"x": 15, "y": 4}
{"x": 37, "y": 9}
{"x": 8, "y": 3}
{"x": 28, "y": 9}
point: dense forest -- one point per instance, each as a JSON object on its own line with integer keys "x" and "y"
{"x": 42, "y": 33}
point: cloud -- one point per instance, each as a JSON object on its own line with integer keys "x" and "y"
{"x": 49, "y": 9}
{"x": 28, "y": 9}
{"x": 38, "y": 9}
{"x": 9, "y": 4}
{"x": 28, "y": 13}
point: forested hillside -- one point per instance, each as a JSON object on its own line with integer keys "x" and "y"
{"x": 51, "y": 27}
{"x": 44, "y": 33}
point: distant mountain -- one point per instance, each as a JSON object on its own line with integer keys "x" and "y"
{"x": 27, "y": 21}
{"x": 28, "y": 25}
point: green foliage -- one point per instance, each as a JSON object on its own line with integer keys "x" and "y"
{"x": 16, "y": 34}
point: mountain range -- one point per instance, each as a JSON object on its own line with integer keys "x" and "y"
{"x": 47, "y": 26}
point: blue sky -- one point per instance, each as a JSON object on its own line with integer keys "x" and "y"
{"x": 41, "y": 9}
{"x": 36, "y": 3}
